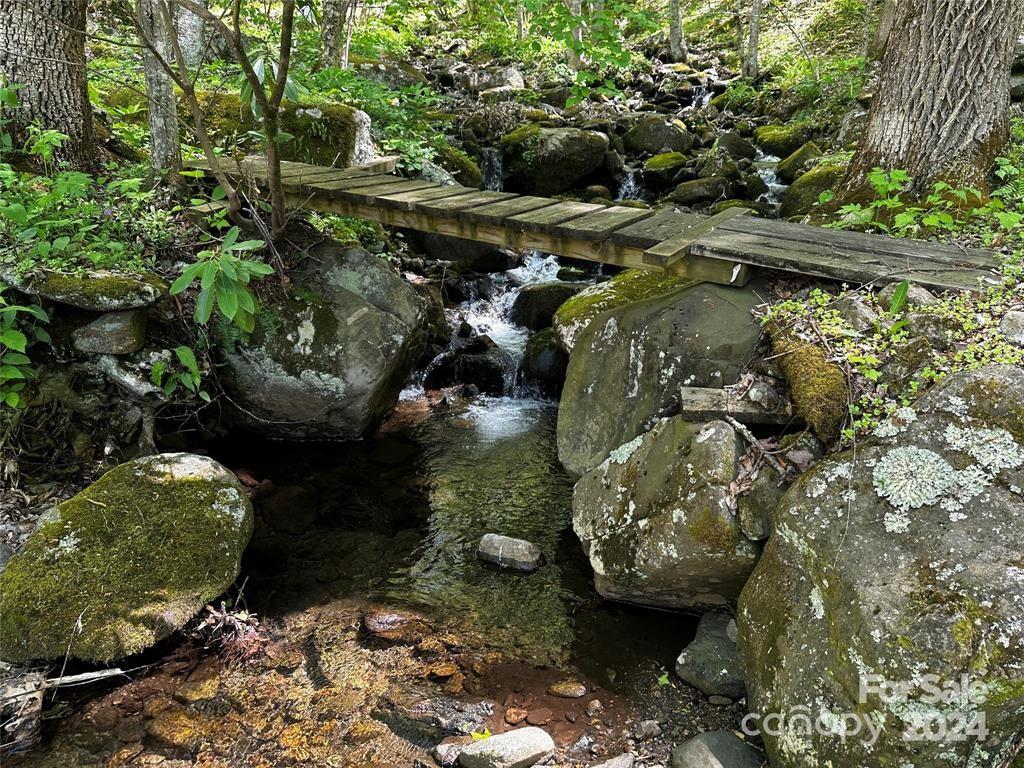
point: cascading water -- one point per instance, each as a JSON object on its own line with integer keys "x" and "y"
{"x": 492, "y": 170}
{"x": 632, "y": 187}
{"x": 766, "y": 168}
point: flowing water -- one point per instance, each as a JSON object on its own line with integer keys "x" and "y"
{"x": 632, "y": 187}
{"x": 766, "y": 168}
{"x": 492, "y": 169}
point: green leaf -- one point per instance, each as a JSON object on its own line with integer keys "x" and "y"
{"x": 187, "y": 358}
{"x": 227, "y": 299}
{"x": 204, "y": 306}
{"x": 10, "y": 372}
{"x": 208, "y": 274}
{"x": 188, "y": 275}
{"x": 245, "y": 298}
{"x": 16, "y": 340}
{"x": 230, "y": 238}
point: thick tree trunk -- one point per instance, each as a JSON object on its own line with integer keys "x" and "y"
{"x": 676, "y": 42}
{"x": 191, "y": 31}
{"x": 751, "y": 59}
{"x": 941, "y": 109}
{"x": 332, "y": 32}
{"x": 42, "y": 48}
{"x": 165, "y": 144}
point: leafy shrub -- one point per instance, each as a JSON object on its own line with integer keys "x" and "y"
{"x": 17, "y": 325}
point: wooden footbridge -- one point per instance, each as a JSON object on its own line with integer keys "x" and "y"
{"x": 720, "y": 248}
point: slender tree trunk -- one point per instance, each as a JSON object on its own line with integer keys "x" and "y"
{"x": 869, "y": 23}
{"x": 165, "y": 144}
{"x": 332, "y": 32}
{"x": 575, "y": 57}
{"x": 741, "y": 42}
{"x": 751, "y": 59}
{"x": 354, "y": 9}
{"x": 941, "y": 110}
{"x": 676, "y": 42}
{"x": 191, "y": 31}
{"x": 520, "y": 21}
{"x": 42, "y": 48}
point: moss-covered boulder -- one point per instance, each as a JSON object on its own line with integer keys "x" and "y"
{"x": 536, "y": 304}
{"x": 461, "y": 166}
{"x": 99, "y": 291}
{"x": 126, "y": 562}
{"x": 626, "y": 367}
{"x": 655, "y": 519}
{"x": 329, "y": 360}
{"x": 655, "y": 134}
{"x": 805, "y": 191}
{"x": 661, "y": 169}
{"x": 793, "y": 165}
{"x": 698, "y": 191}
{"x": 781, "y": 140}
{"x": 895, "y": 567}
{"x": 323, "y": 134}
{"x": 549, "y": 161}
{"x": 577, "y": 313}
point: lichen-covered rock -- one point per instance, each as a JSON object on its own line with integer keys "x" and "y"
{"x": 900, "y": 560}
{"x": 131, "y": 559}
{"x": 113, "y": 333}
{"x": 330, "y": 360}
{"x": 804, "y": 192}
{"x": 656, "y": 521}
{"x": 655, "y": 134}
{"x": 96, "y": 291}
{"x": 549, "y": 161}
{"x": 626, "y": 367}
{"x": 629, "y": 286}
{"x": 710, "y": 663}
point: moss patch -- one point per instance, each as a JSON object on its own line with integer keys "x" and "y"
{"x": 99, "y": 292}
{"x": 132, "y": 557}
{"x": 666, "y": 161}
{"x": 781, "y": 140}
{"x": 459, "y": 165}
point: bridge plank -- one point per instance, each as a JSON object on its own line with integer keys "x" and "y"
{"x": 543, "y": 219}
{"x": 496, "y": 213}
{"x": 649, "y": 232}
{"x": 335, "y": 186}
{"x": 370, "y": 194}
{"x": 601, "y": 224}
{"x": 450, "y": 207}
{"x": 676, "y": 247}
{"x": 408, "y": 200}
{"x": 838, "y": 238}
{"x": 846, "y": 264}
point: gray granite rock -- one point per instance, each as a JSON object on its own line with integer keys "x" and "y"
{"x": 520, "y": 748}
{"x": 715, "y": 749}
{"x": 710, "y": 663}
{"x": 512, "y": 553}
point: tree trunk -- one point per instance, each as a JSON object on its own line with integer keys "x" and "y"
{"x": 575, "y": 56}
{"x": 879, "y": 41}
{"x": 520, "y": 20}
{"x": 676, "y": 42}
{"x": 165, "y": 144}
{"x": 751, "y": 59}
{"x": 941, "y": 109}
{"x": 191, "y": 31}
{"x": 42, "y": 48}
{"x": 332, "y": 32}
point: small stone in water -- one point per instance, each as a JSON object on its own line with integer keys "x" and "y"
{"x": 593, "y": 707}
{"x": 647, "y": 729}
{"x": 510, "y": 553}
{"x": 568, "y": 689}
{"x": 540, "y": 716}
{"x": 396, "y": 625}
{"x": 444, "y": 669}
{"x": 515, "y": 715}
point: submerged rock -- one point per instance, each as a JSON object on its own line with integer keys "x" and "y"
{"x": 126, "y": 562}
{"x": 715, "y": 749}
{"x": 656, "y": 521}
{"x": 901, "y": 561}
{"x": 544, "y": 363}
{"x": 330, "y": 360}
{"x": 520, "y": 748}
{"x": 710, "y": 663}
{"x": 568, "y": 689}
{"x": 477, "y": 361}
{"x": 626, "y": 367}
{"x": 507, "y": 552}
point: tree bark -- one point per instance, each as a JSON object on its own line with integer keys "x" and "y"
{"x": 880, "y": 40}
{"x": 42, "y": 48}
{"x": 165, "y": 144}
{"x": 676, "y": 42}
{"x": 941, "y": 109}
{"x": 751, "y": 58}
{"x": 191, "y": 30}
{"x": 332, "y": 32}
{"x": 575, "y": 57}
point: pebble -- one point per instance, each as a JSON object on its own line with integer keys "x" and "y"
{"x": 520, "y": 748}
{"x": 715, "y": 749}
{"x": 540, "y": 716}
{"x": 594, "y": 707}
{"x": 720, "y": 701}
{"x": 568, "y": 689}
{"x": 622, "y": 761}
{"x": 515, "y": 715}
{"x": 647, "y": 729}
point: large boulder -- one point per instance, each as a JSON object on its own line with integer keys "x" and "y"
{"x": 657, "y": 521}
{"x": 899, "y": 564}
{"x": 806, "y": 190}
{"x": 544, "y": 363}
{"x": 549, "y": 161}
{"x": 626, "y": 287}
{"x": 626, "y": 367}
{"x": 126, "y": 562}
{"x": 656, "y": 134}
{"x": 535, "y": 305}
{"x": 330, "y": 360}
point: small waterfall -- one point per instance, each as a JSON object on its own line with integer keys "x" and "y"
{"x": 766, "y": 165}
{"x": 492, "y": 170}
{"x": 632, "y": 187}
{"x": 701, "y": 96}
{"x": 364, "y": 151}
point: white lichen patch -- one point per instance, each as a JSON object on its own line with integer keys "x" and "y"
{"x": 910, "y": 478}
{"x": 994, "y": 449}
{"x": 625, "y": 452}
{"x": 817, "y": 604}
{"x": 897, "y": 422}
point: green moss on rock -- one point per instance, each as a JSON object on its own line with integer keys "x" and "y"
{"x": 131, "y": 558}
{"x": 97, "y": 291}
{"x": 625, "y": 288}
{"x": 666, "y": 161}
{"x": 781, "y": 140}
{"x": 802, "y": 196}
{"x": 460, "y": 165}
